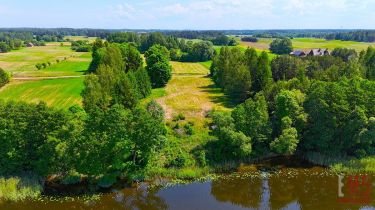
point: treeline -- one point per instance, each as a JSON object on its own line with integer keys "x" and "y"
{"x": 249, "y": 39}
{"x": 16, "y": 40}
{"x": 102, "y": 33}
{"x": 180, "y": 49}
{"x": 113, "y": 137}
{"x": 345, "y": 35}
{"x": 318, "y": 104}
{"x": 13, "y": 40}
{"x": 359, "y": 36}
{"x": 195, "y": 34}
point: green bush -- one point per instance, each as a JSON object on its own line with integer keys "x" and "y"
{"x": 4, "y": 77}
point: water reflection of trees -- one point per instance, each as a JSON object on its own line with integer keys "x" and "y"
{"x": 243, "y": 192}
{"x": 131, "y": 199}
{"x": 308, "y": 190}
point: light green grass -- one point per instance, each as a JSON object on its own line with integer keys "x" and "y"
{"x": 19, "y": 188}
{"x": 363, "y": 165}
{"x": 206, "y": 64}
{"x": 191, "y": 92}
{"x": 59, "y": 93}
{"x": 25, "y": 59}
{"x": 76, "y": 38}
{"x": 309, "y": 43}
{"x": 71, "y": 67}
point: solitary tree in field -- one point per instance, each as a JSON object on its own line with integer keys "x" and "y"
{"x": 281, "y": 46}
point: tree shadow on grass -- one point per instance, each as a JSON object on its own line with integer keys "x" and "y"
{"x": 216, "y": 96}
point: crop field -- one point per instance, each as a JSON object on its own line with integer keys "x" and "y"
{"x": 308, "y": 43}
{"x": 59, "y": 93}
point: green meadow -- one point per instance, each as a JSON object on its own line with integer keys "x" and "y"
{"x": 60, "y": 93}
{"x": 59, "y": 85}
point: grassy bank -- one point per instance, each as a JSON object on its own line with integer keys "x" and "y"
{"x": 19, "y": 188}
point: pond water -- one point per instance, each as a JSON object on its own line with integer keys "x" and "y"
{"x": 252, "y": 187}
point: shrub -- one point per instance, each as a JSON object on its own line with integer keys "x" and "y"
{"x": 4, "y": 77}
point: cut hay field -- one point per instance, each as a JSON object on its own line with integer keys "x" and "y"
{"x": 59, "y": 85}
{"x": 309, "y": 43}
{"x": 191, "y": 92}
{"x": 76, "y": 38}
{"x": 25, "y": 59}
{"x": 58, "y": 93}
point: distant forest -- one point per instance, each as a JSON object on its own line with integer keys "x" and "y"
{"x": 329, "y": 34}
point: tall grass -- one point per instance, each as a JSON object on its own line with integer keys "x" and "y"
{"x": 19, "y": 188}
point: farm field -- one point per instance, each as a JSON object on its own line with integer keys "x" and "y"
{"x": 59, "y": 93}
{"x": 59, "y": 85}
{"x": 308, "y": 43}
{"x": 25, "y": 59}
{"x": 76, "y": 38}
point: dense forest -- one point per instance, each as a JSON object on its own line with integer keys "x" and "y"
{"x": 318, "y": 104}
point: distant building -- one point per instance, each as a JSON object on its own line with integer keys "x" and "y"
{"x": 312, "y": 52}
{"x": 319, "y": 52}
{"x": 298, "y": 53}
{"x": 29, "y": 44}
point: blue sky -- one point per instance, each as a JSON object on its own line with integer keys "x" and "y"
{"x": 193, "y": 14}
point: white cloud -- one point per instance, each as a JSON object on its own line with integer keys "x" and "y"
{"x": 123, "y": 10}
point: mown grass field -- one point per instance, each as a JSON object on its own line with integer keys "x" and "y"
{"x": 191, "y": 92}
{"x": 309, "y": 43}
{"x": 25, "y": 59}
{"x": 51, "y": 84}
{"x": 76, "y": 38}
{"x": 58, "y": 93}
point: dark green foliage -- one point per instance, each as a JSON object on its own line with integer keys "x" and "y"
{"x": 231, "y": 71}
{"x": 287, "y": 142}
{"x": 232, "y": 144}
{"x": 249, "y": 39}
{"x": 344, "y": 53}
{"x": 281, "y": 46}
{"x": 367, "y": 59}
{"x": 143, "y": 82}
{"x": 286, "y": 67}
{"x": 34, "y": 138}
{"x": 4, "y": 77}
{"x": 338, "y": 113}
{"x": 158, "y": 67}
{"x": 131, "y": 56}
{"x": 263, "y": 75}
{"x": 121, "y": 37}
{"x": 198, "y": 52}
{"x": 4, "y": 47}
{"x": 156, "y": 110}
{"x": 224, "y": 40}
{"x": 81, "y": 46}
{"x": 252, "y": 119}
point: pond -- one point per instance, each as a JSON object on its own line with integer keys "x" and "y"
{"x": 262, "y": 186}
